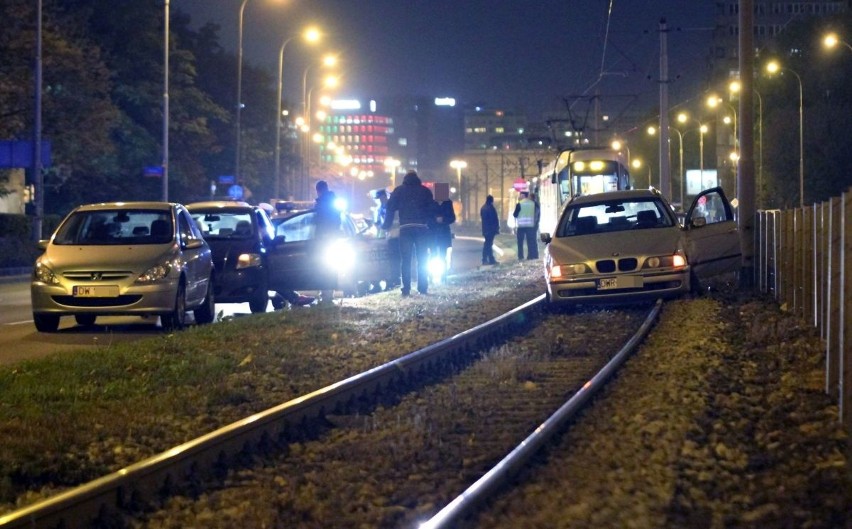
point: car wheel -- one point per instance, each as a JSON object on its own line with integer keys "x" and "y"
{"x": 260, "y": 299}
{"x": 207, "y": 311}
{"x": 176, "y": 319}
{"x": 86, "y": 320}
{"x": 46, "y": 322}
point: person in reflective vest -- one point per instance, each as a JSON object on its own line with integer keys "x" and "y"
{"x": 525, "y": 221}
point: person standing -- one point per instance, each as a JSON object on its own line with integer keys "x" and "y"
{"x": 525, "y": 220}
{"x": 490, "y": 229}
{"x": 442, "y": 234}
{"x": 416, "y": 208}
{"x": 327, "y": 227}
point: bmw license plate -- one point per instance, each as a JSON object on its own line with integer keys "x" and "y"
{"x": 610, "y": 283}
{"x": 104, "y": 291}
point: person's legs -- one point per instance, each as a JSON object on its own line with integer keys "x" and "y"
{"x": 519, "y": 234}
{"x": 422, "y": 243}
{"x": 532, "y": 244}
{"x": 405, "y": 249}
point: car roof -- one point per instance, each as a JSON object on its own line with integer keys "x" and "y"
{"x": 626, "y": 194}
{"x": 127, "y": 205}
{"x": 219, "y": 204}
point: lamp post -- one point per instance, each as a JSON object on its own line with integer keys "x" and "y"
{"x": 652, "y": 131}
{"x": 713, "y": 102}
{"x": 239, "y": 87}
{"x": 702, "y": 129}
{"x": 774, "y": 67}
{"x": 310, "y": 35}
{"x": 734, "y": 87}
{"x": 458, "y": 165}
{"x": 165, "y": 182}
{"x": 328, "y": 60}
{"x": 832, "y": 40}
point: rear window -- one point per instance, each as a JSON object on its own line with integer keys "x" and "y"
{"x": 218, "y": 224}
{"x": 116, "y": 227}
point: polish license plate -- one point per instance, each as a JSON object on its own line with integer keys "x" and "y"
{"x": 103, "y": 291}
{"x": 610, "y": 283}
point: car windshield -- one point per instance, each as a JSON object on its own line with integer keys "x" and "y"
{"x": 219, "y": 224}
{"x": 614, "y": 215}
{"x": 116, "y": 227}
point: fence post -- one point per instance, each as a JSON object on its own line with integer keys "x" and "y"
{"x": 833, "y": 353}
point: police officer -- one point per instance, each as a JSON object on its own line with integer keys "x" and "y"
{"x": 526, "y": 212}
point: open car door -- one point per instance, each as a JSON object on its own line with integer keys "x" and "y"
{"x": 712, "y": 235}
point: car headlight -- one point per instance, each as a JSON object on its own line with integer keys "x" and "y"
{"x": 676, "y": 260}
{"x": 248, "y": 260}
{"x": 339, "y": 255}
{"x": 45, "y": 275}
{"x": 565, "y": 270}
{"x": 156, "y": 273}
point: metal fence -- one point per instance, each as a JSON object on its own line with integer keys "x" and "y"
{"x": 804, "y": 258}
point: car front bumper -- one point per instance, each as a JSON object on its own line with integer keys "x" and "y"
{"x": 643, "y": 287}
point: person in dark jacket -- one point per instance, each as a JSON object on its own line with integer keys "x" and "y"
{"x": 442, "y": 235}
{"x": 416, "y": 208}
{"x": 490, "y": 229}
{"x": 327, "y": 227}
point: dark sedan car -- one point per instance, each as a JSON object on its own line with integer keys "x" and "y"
{"x": 353, "y": 261}
{"x": 239, "y": 236}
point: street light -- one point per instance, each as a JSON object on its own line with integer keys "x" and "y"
{"x": 311, "y": 35}
{"x": 702, "y": 129}
{"x": 327, "y": 61}
{"x": 832, "y": 40}
{"x": 239, "y": 87}
{"x": 735, "y": 87}
{"x": 774, "y": 67}
{"x": 458, "y": 165}
{"x": 652, "y": 131}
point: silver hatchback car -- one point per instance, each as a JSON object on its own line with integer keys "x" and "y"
{"x": 124, "y": 258}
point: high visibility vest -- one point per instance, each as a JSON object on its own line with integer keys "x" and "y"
{"x": 526, "y": 216}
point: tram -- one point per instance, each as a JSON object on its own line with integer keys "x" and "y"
{"x": 575, "y": 172}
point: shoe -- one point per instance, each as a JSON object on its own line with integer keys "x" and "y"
{"x": 304, "y": 300}
{"x": 406, "y": 294}
{"x": 423, "y": 292}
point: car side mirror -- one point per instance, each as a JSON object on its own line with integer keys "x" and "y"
{"x": 193, "y": 244}
{"x": 545, "y": 238}
{"x": 698, "y": 222}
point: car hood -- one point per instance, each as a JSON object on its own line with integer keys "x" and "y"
{"x": 136, "y": 258}
{"x": 659, "y": 241}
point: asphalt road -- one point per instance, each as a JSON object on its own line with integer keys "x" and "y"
{"x": 19, "y": 339}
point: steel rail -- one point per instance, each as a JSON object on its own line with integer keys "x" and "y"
{"x": 82, "y": 506}
{"x": 501, "y": 474}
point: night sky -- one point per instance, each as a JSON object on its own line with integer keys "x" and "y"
{"x": 516, "y": 54}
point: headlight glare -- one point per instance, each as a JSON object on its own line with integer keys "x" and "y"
{"x": 339, "y": 255}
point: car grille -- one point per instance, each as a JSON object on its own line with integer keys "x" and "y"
{"x": 608, "y": 266}
{"x": 71, "y": 301}
{"x": 96, "y": 275}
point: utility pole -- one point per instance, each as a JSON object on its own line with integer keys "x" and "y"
{"x": 745, "y": 163}
{"x": 665, "y": 171}
{"x": 38, "y": 176}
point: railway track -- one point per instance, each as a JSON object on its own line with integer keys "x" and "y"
{"x": 179, "y": 471}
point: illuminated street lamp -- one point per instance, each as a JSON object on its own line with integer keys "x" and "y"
{"x": 774, "y": 67}
{"x": 653, "y": 131}
{"x": 327, "y": 61}
{"x": 702, "y": 129}
{"x": 713, "y": 102}
{"x": 458, "y": 165}
{"x": 311, "y": 35}
{"x": 832, "y": 40}
{"x": 734, "y": 88}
